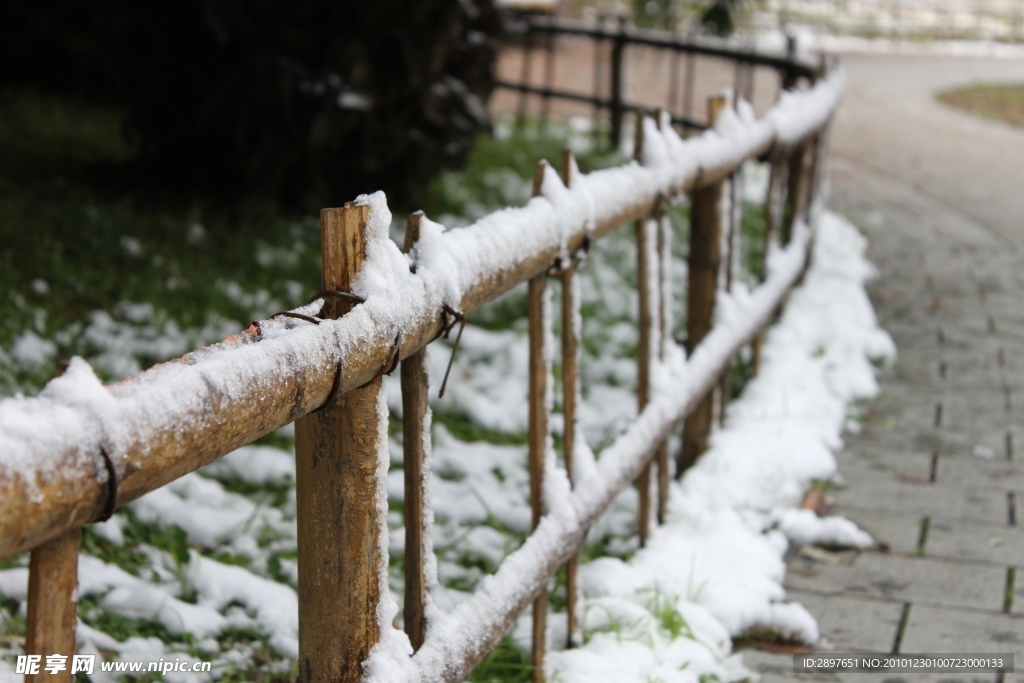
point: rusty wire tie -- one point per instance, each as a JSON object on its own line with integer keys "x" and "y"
{"x": 113, "y": 486}
{"x": 335, "y": 292}
{"x": 446, "y": 328}
{"x": 390, "y": 363}
{"x": 579, "y": 257}
{"x": 308, "y": 318}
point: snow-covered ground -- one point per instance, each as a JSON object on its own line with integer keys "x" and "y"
{"x": 205, "y": 567}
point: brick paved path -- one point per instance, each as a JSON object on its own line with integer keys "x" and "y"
{"x": 938, "y": 470}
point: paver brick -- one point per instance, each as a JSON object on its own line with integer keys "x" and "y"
{"x": 900, "y": 578}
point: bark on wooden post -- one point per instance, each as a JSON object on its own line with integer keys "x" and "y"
{"x": 539, "y": 370}
{"x": 704, "y": 266}
{"x": 416, "y": 445}
{"x": 52, "y": 602}
{"x": 664, "y": 298}
{"x": 732, "y": 220}
{"x": 570, "y": 389}
{"x": 647, "y": 306}
{"x": 797, "y": 182}
{"x": 339, "y": 484}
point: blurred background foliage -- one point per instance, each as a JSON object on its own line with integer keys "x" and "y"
{"x": 307, "y": 102}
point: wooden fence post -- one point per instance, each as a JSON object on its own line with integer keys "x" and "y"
{"x": 664, "y": 298}
{"x": 647, "y": 306}
{"x": 415, "y": 444}
{"x": 52, "y": 602}
{"x": 704, "y": 267}
{"x": 772, "y": 222}
{"x": 730, "y": 249}
{"x": 571, "y": 327}
{"x": 339, "y": 482}
{"x": 538, "y": 430}
{"x": 797, "y": 182}
{"x": 617, "y": 83}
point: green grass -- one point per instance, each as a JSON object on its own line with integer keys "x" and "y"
{"x": 500, "y": 171}
{"x": 998, "y": 102}
{"x": 464, "y": 429}
{"x": 504, "y": 664}
{"x": 79, "y": 237}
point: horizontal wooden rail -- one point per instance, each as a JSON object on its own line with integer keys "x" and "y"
{"x": 80, "y": 448}
{"x": 457, "y": 642}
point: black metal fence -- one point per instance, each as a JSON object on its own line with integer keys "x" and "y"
{"x": 610, "y": 39}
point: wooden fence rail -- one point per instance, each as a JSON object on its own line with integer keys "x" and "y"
{"x": 80, "y": 450}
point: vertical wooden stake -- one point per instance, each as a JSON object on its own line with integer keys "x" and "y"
{"x": 772, "y": 222}
{"x": 647, "y": 306}
{"x": 52, "y": 605}
{"x": 664, "y": 297}
{"x": 704, "y": 266}
{"x": 730, "y": 251}
{"x": 415, "y": 426}
{"x": 538, "y": 431}
{"x": 570, "y": 389}
{"x": 795, "y": 191}
{"x": 340, "y": 471}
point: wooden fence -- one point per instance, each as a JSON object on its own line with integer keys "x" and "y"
{"x": 80, "y": 450}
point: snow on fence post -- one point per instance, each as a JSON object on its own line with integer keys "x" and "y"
{"x": 648, "y": 305}
{"x": 538, "y": 313}
{"x": 730, "y": 237}
{"x": 571, "y": 328}
{"x": 416, "y": 464}
{"x": 664, "y": 247}
{"x": 704, "y": 274}
{"x": 52, "y": 601}
{"x": 339, "y": 486}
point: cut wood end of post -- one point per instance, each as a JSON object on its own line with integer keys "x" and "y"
{"x": 663, "y": 119}
{"x": 569, "y": 167}
{"x": 412, "y": 230}
{"x": 716, "y": 105}
{"x": 538, "y": 177}
{"x": 638, "y": 146}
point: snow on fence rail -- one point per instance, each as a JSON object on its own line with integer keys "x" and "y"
{"x": 79, "y": 450}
